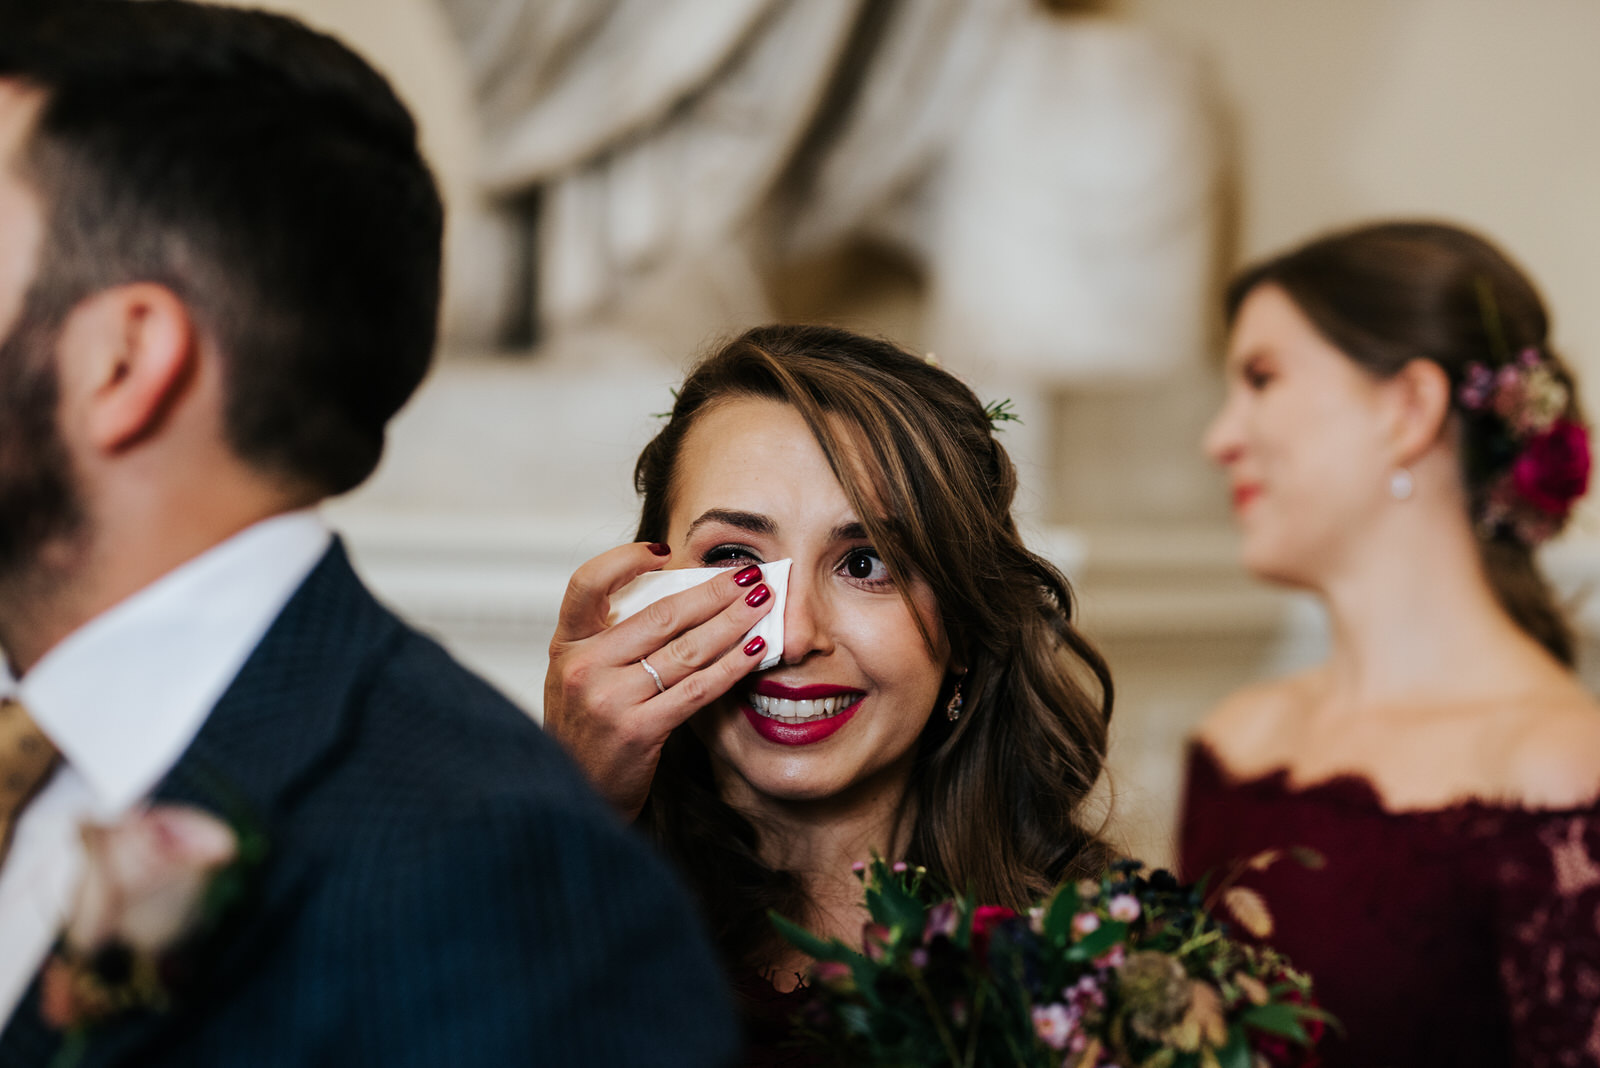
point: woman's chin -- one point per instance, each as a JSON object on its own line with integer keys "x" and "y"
{"x": 788, "y": 781}
{"x": 1278, "y": 570}
{"x": 1270, "y": 560}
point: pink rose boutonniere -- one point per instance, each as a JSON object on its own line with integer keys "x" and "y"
{"x": 155, "y": 887}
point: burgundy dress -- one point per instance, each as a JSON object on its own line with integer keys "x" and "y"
{"x": 1468, "y": 935}
{"x": 767, "y": 1015}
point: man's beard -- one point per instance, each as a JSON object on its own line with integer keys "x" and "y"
{"x": 40, "y": 504}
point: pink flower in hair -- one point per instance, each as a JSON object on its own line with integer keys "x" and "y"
{"x": 1553, "y": 469}
{"x": 1510, "y": 391}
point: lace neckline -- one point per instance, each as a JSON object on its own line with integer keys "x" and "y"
{"x": 1354, "y": 790}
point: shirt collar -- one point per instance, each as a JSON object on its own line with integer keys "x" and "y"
{"x": 124, "y": 694}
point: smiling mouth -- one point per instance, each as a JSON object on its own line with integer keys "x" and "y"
{"x": 785, "y": 710}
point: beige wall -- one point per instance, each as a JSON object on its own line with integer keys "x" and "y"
{"x": 1482, "y": 111}
{"x": 1486, "y": 112}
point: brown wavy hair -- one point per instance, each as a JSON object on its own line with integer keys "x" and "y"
{"x": 1389, "y": 293}
{"x": 995, "y": 797}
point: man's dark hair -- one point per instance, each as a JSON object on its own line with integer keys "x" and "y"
{"x": 270, "y": 178}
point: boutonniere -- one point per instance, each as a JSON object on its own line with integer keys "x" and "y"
{"x": 156, "y": 888}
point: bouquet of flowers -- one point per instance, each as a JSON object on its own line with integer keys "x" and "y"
{"x": 1130, "y": 970}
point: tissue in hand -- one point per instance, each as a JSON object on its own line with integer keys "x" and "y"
{"x": 654, "y": 585}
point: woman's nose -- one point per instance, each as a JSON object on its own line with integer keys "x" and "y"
{"x": 1222, "y": 441}
{"x": 807, "y": 617}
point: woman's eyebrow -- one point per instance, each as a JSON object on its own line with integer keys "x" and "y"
{"x": 851, "y": 531}
{"x": 752, "y": 522}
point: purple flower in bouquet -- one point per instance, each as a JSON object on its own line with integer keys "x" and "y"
{"x": 1124, "y": 908}
{"x": 875, "y": 938}
{"x": 943, "y": 919}
{"x": 1054, "y": 1024}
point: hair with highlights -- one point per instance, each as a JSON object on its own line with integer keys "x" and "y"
{"x": 996, "y": 797}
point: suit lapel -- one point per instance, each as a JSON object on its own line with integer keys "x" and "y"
{"x": 284, "y": 715}
{"x": 287, "y": 709}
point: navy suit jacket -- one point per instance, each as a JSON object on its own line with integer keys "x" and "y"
{"x": 441, "y": 888}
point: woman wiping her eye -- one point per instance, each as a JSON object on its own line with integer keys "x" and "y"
{"x": 927, "y": 705}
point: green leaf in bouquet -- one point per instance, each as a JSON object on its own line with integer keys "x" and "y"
{"x": 894, "y": 906}
{"x": 1161, "y": 1058}
{"x": 965, "y": 910}
{"x": 857, "y": 1020}
{"x": 1308, "y": 858}
{"x": 1313, "y": 1012}
{"x": 1279, "y": 1018}
{"x": 811, "y": 945}
{"x": 1098, "y": 941}
{"x": 1058, "y": 914}
{"x": 1236, "y": 1054}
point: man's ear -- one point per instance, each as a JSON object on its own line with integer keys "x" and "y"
{"x": 1421, "y": 396}
{"x": 133, "y": 353}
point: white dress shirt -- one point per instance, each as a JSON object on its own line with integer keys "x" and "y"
{"x": 122, "y": 697}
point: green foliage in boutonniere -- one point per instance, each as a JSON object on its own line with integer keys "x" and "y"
{"x": 157, "y": 890}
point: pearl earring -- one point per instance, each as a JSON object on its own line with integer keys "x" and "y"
{"x": 1401, "y": 484}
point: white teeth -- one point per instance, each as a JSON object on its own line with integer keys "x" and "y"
{"x": 786, "y": 711}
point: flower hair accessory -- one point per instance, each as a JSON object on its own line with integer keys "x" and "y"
{"x": 1001, "y": 412}
{"x": 1524, "y": 446}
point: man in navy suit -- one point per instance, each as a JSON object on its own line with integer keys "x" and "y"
{"x": 219, "y": 269}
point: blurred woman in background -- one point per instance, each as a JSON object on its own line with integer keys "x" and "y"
{"x": 1399, "y": 437}
{"x": 934, "y": 702}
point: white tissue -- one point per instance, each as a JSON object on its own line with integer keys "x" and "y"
{"x": 652, "y": 586}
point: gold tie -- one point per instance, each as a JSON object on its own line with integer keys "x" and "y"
{"x": 26, "y": 759}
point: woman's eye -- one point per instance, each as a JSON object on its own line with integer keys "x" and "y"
{"x": 724, "y": 555}
{"x": 1257, "y": 377}
{"x": 863, "y": 565}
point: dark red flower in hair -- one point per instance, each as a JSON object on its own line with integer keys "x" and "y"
{"x": 1552, "y": 470}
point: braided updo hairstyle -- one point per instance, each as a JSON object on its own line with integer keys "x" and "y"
{"x": 1390, "y": 293}
{"x": 995, "y": 798}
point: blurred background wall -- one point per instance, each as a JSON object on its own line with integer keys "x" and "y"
{"x": 510, "y": 467}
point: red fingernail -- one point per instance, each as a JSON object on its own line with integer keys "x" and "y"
{"x": 747, "y": 576}
{"x": 660, "y": 548}
{"x": 757, "y": 597}
{"x": 754, "y": 645}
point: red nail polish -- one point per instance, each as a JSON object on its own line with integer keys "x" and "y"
{"x": 660, "y": 548}
{"x": 748, "y": 576}
{"x": 757, "y": 597}
{"x": 755, "y": 645}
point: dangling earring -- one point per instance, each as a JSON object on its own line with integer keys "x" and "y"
{"x": 1401, "y": 484}
{"x": 952, "y": 710}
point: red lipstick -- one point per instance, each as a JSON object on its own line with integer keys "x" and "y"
{"x": 816, "y": 730}
{"x": 1244, "y": 493}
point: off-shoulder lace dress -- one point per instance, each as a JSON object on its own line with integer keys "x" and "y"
{"x": 1468, "y": 935}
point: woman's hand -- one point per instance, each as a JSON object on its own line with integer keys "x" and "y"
{"x": 602, "y": 704}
